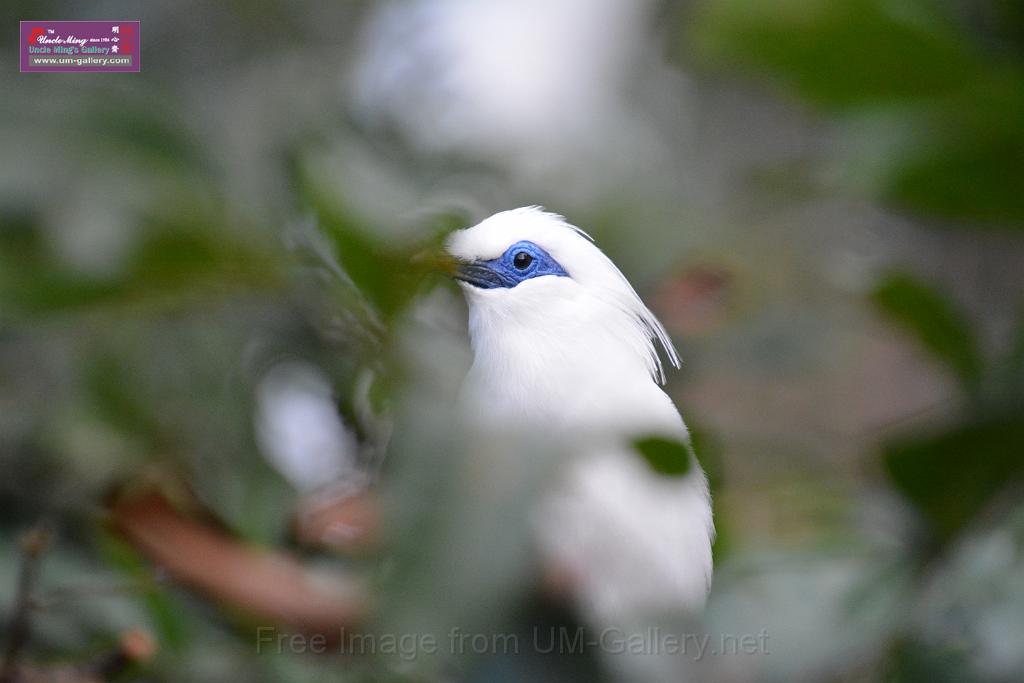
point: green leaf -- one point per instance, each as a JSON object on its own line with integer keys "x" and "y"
{"x": 911, "y": 659}
{"x": 966, "y": 159}
{"x": 386, "y": 273}
{"x": 839, "y": 53}
{"x": 179, "y": 260}
{"x": 934, "y": 321}
{"x": 665, "y": 456}
{"x": 165, "y": 610}
{"x": 385, "y": 276}
{"x": 952, "y": 476}
{"x": 115, "y": 397}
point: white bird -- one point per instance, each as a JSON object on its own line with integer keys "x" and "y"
{"x": 564, "y": 347}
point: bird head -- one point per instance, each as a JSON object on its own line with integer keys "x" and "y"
{"x": 541, "y": 293}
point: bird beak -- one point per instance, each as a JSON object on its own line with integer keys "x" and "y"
{"x": 437, "y": 260}
{"x": 481, "y": 275}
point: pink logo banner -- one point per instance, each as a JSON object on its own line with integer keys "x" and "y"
{"x": 75, "y": 46}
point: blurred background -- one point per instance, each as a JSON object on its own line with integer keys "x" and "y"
{"x": 224, "y": 385}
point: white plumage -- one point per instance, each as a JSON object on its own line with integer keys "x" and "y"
{"x": 567, "y": 350}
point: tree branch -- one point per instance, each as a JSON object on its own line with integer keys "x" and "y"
{"x": 33, "y": 545}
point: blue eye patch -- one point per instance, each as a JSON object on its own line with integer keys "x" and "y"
{"x": 520, "y": 262}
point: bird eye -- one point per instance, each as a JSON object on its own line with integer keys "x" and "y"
{"x": 522, "y": 260}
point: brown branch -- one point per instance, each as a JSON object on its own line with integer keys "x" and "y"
{"x": 263, "y": 584}
{"x": 33, "y": 545}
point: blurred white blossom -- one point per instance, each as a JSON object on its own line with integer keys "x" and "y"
{"x": 298, "y": 427}
{"x": 533, "y": 85}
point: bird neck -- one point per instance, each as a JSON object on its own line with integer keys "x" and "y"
{"x": 571, "y": 372}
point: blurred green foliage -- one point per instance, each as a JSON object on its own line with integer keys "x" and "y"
{"x": 954, "y": 87}
{"x": 176, "y": 260}
{"x": 845, "y": 54}
{"x": 954, "y": 475}
{"x": 937, "y": 93}
{"x": 937, "y": 324}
